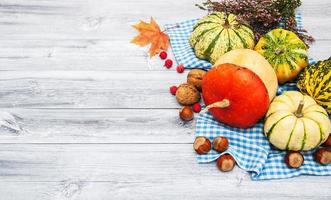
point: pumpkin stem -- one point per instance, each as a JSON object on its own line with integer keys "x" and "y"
{"x": 226, "y": 23}
{"x": 219, "y": 104}
{"x": 279, "y": 51}
{"x": 298, "y": 113}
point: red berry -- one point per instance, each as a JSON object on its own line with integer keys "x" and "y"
{"x": 180, "y": 68}
{"x": 196, "y": 107}
{"x": 168, "y": 63}
{"x": 173, "y": 90}
{"x": 163, "y": 55}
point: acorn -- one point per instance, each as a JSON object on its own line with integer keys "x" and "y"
{"x": 201, "y": 145}
{"x": 220, "y": 144}
{"x": 323, "y": 156}
{"x": 294, "y": 159}
{"x": 225, "y": 163}
{"x": 186, "y": 113}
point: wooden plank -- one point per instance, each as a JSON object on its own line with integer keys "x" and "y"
{"x": 96, "y": 55}
{"x": 78, "y": 35}
{"x": 88, "y": 19}
{"x": 134, "y": 171}
{"x": 319, "y": 50}
{"x": 88, "y": 89}
{"x": 94, "y": 126}
{"x": 76, "y": 54}
{"x": 73, "y": 189}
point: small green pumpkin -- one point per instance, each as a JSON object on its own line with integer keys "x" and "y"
{"x": 285, "y": 51}
{"x": 218, "y": 33}
{"x": 315, "y": 81}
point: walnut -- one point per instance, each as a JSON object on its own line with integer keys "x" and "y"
{"x": 187, "y": 94}
{"x": 195, "y": 76}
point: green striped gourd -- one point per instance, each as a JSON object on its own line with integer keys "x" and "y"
{"x": 218, "y": 33}
{"x": 315, "y": 81}
{"x": 286, "y": 53}
{"x": 296, "y": 122}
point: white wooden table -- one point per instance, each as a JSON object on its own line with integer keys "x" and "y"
{"x": 95, "y": 122}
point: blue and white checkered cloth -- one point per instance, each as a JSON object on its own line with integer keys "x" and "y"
{"x": 249, "y": 147}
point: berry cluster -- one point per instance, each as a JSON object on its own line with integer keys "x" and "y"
{"x": 168, "y": 62}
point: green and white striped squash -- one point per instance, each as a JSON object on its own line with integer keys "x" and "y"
{"x": 296, "y": 122}
{"x": 218, "y": 33}
{"x": 285, "y": 51}
{"x": 315, "y": 81}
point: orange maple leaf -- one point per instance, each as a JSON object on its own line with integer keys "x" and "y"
{"x": 150, "y": 33}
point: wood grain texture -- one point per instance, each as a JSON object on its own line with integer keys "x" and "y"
{"x": 96, "y": 55}
{"x": 95, "y": 35}
{"x": 135, "y": 171}
{"x": 234, "y": 189}
{"x": 86, "y": 115}
{"x": 96, "y": 126}
{"x": 88, "y": 89}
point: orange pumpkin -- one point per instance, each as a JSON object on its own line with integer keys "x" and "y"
{"x": 253, "y": 61}
{"x": 235, "y": 95}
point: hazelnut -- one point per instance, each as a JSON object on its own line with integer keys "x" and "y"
{"x": 201, "y": 145}
{"x": 187, "y": 94}
{"x": 225, "y": 163}
{"x": 294, "y": 159}
{"x": 186, "y": 113}
{"x": 327, "y": 143}
{"x": 323, "y": 156}
{"x": 195, "y": 76}
{"x": 220, "y": 144}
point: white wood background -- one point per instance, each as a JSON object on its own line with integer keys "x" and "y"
{"x": 91, "y": 120}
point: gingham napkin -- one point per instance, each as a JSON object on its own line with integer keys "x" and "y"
{"x": 249, "y": 147}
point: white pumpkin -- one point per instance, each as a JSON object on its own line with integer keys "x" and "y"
{"x": 253, "y": 61}
{"x": 296, "y": 122}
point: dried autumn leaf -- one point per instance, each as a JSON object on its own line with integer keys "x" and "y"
{"x": 150, "y": 33}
